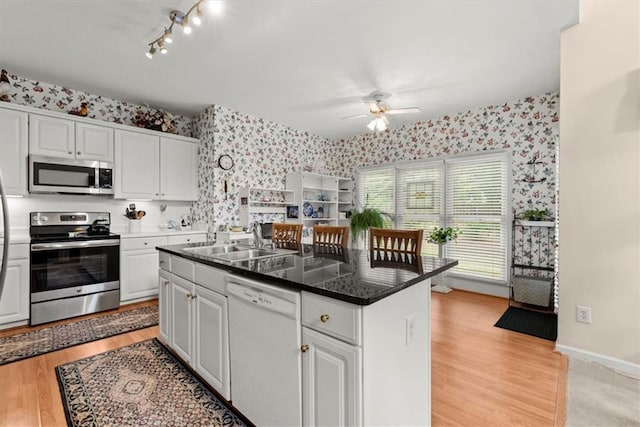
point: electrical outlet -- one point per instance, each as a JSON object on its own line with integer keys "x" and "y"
{"x": 583, "y": 314}
{"x": 410, "y": 322}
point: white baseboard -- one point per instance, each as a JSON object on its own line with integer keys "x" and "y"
{"x": 628, "y": 368}
{"x": 494, "y": 289}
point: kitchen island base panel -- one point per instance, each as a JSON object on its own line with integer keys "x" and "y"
{"x": 396, "y": 361}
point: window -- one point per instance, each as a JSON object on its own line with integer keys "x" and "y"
{"x": 469, "y": 193}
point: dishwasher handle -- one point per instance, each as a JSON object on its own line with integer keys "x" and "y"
{"x": 263, "y": 300}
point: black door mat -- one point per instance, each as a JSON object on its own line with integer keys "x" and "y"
{"x": 541, "y": 325}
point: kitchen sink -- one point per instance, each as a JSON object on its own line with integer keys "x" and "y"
{"x": 243, "y": 255}
{"x": 216, "y": 250}
{"x": 236, "y": 252}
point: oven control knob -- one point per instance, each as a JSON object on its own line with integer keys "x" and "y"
{"x": 44, "y": 218}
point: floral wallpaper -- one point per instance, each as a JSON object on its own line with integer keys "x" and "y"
{"x": 61, "y": 99}
{"x": 527, "y": 127}
{"x": 263, "y": 153}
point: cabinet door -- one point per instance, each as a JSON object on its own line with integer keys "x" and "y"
{"x": 50, "y": 136}
{"x": 14, "y": 304}
{"x": 179, "y": 167}
{"x": 13, "y": 151}
{"x": 94, "y": 142}
{"x": 212, "y": 340}
{"x": 331, "y": 377}
{"x": 137, "y": 174}
{"x": 182, "y": 292}
{"x": 164, "y": 304}
{"x": 138, "y": 274}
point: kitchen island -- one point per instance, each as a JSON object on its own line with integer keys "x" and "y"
{"x": 306, "y": 337}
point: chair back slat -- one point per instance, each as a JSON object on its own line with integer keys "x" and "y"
{"x": 393, "y": 240}
{"x": 327, "y": 235}
{"x": 286, "y": 233}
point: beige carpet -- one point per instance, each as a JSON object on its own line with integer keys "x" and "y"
{"x": 599, "y": 396}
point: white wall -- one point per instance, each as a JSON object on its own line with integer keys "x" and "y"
{"x": 600, "y": 181}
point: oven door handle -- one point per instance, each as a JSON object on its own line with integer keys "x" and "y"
{"x": 70, "y": 245}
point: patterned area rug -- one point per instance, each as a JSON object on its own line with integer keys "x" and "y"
{"x": 45, "y": 340}
{"x": 141, "y": 384}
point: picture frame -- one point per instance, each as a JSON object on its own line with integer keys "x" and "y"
{"x": 292, "y": 211}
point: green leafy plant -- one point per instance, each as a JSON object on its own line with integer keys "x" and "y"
{"x": 443, "y": 235}
{"x": 536, "y": 214}
{"x": 361, "y": 221}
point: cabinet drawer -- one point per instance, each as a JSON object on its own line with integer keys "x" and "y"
{"x": 336, "y": 318}
{"x": 187, "y": 238}
{"x": 137, "y": 243}
{"x": 211, "y": 278}
{"x": 164, "y": 261}
{"x": 183, "y": 268}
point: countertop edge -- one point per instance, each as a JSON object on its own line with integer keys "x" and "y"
{"x": 303, "y": 287}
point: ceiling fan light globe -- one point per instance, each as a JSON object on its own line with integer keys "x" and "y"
{"x": 372, "y": 124}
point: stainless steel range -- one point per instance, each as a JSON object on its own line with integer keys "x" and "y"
{"x": 75, "y": 265}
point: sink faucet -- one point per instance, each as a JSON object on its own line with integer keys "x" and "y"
{"x": 257, "y": 236}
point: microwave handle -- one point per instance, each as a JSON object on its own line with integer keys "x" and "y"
{"x": 93, "y": 179}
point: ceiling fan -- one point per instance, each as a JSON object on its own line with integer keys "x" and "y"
{"x": 379, "y": 110}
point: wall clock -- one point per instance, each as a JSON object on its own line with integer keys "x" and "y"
{"x": 225, "y": 162}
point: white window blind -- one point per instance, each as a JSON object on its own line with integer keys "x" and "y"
{"x": 376, "y": 189}
{"x": 476, "y": 203}
{"x": 420, "y": 199}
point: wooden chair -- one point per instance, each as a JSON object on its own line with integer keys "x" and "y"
{"x": 327, "y": 235}
{"x": 286, "y": 235}
{"x": 399, "y": 241}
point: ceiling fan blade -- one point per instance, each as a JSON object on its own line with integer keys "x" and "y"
{"x": 357, "y": 116}
{"x": 403, "y": 110}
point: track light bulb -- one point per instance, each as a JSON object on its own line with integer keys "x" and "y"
{"x": 151, "y": 52}
{"x": 167, "y": 36}
{"x": 186, "y": 29}
{"x": 196, "y": 19}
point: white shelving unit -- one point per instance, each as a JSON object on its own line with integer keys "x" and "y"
{"x": 264, "y": 204}
{"x": 320, "y": 200}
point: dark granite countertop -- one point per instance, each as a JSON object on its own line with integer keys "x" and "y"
{"x": 352, "y": 275}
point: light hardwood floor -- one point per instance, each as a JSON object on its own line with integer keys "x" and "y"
{"x": 482, "y": 375}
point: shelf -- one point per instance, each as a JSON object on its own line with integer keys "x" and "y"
{"x": 318, "y": 201}
{"x": 267, "y": 209}
{"x": 307, "y": 218}
{"x": 305, "y": 188}
{"x": 526, "y": 223}
{"x": 533, "y": 267}
{"x": 271, "y": 190}
{"x": 283, "y": 204}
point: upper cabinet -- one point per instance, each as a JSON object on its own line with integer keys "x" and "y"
{"x": 178, "y": 169}
{"x": 13, "y": 151}
{"x": 157, "y": 168}
{"x": 56, "y": 137}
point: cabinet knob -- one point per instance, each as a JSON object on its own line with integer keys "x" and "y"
{"x": 69, "y": 152}
{"x": 194, "y": 296}
{"x": 324, "y": 318}
{"x": 189, "y": 295}
{"x": 165, "y": 282}
{"x": 79, "y": 152}
{"x": 304, "y": 348}
{"x": 161, "y": 262}
{"x": 156, "y": 194}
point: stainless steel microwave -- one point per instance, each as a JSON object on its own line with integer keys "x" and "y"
{"x": 54, "y": 175}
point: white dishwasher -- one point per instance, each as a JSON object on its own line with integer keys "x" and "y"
{"x": 266, "y": 362}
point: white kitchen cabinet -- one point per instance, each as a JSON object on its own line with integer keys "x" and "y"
{"x": 212, "y": 340}
{"x": 94, "y": 142}
{"x": 14, "y": 150}
{"x": 137, "y": 158}
{"x": 157, "y": 168}
{"x": 182, "y": 318}
{"x": 164, "y": 304}
{"x": 69, "y": 139}
{"x": 331, "y": 381}
{"x": 179, "y": 169}
{"x": 194, "y": 318}
{"x": 138, "y": 267}
{"x": 14, "y": 303}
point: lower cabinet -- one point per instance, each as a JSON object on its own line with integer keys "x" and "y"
{"x": 139, "y": 263}
{"x": 331, "y": 379}
{"x": 194, "y": 323}
{"x": 14, "y": 302}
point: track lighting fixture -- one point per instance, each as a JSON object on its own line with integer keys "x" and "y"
{"x": 193, "y": 15}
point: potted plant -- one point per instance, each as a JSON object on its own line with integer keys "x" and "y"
{"x": 361, "y": 221}
{"x": 443, "y": 235}
{"x": 536, "y": 214}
